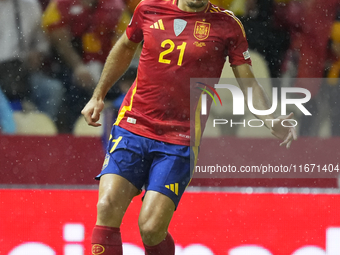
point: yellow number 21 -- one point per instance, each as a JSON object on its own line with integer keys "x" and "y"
{"x": 167, "y": 51}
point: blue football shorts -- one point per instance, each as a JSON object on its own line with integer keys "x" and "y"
{"x": 148, "y": 163}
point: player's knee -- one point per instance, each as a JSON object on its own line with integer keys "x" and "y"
{"x": 151, "y": 232}
{"x": 109, "y": 212}
{"x": 105, "y": 207}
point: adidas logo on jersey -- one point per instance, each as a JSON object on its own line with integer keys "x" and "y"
{"x": 158, "y": 25}
{"x": 173, "y": 187}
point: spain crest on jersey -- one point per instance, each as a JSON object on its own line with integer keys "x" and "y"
{"x": 201, "y": 30}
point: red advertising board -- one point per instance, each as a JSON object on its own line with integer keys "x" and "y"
{"x": 60, "y": 222}
{"x": 70, "y": 160}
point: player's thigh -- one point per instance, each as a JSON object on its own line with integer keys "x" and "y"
{"x": 170, "y": 174}
{"x": 127, "y": 157}
{"x": 115, "y": 195}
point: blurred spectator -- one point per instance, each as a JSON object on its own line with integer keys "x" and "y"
{"x": 7, "y": 124}
{"x": 310, "y": 23}
{"x": 333, "y": 75}
{"x": 263, "y": 34}
{"x": 23, "y": 47}
{"x": 334, "y": 69}
{"x": 44, "y": 3}
{"x": 82, "y": 33}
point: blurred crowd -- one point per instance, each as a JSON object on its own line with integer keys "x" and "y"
{"x": 53, "y": 51}
{"x": 52, "y": 54}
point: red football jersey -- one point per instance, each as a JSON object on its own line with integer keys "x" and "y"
{"x": 94, "y": 26}
{"x": 177, "y": 46}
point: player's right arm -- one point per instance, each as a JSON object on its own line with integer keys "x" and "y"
{"x": 115, "y": 66}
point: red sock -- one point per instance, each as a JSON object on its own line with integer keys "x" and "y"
{"x": 166, "y": 247}
{"x": 106, "y": 241}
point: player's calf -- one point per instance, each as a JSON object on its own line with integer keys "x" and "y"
{"x": 106, "y": 241}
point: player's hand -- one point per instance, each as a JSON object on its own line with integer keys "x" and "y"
{"x": 287, "y": 134}
{"x": 92, "y": 111}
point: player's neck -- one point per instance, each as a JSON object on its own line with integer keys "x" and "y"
{"x": 192, "y": 5}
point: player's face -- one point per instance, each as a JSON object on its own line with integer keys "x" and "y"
{"x": 192, "y": 5}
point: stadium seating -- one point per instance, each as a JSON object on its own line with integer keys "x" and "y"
{"x": 82, "y": 129}
{"x": 34, "y": 123}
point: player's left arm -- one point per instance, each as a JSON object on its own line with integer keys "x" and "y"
{"x": 246, "y": 79}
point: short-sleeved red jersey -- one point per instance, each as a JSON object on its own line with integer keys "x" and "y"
{"x": 177, "y": 46}
{"x": 94, "y": 26}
